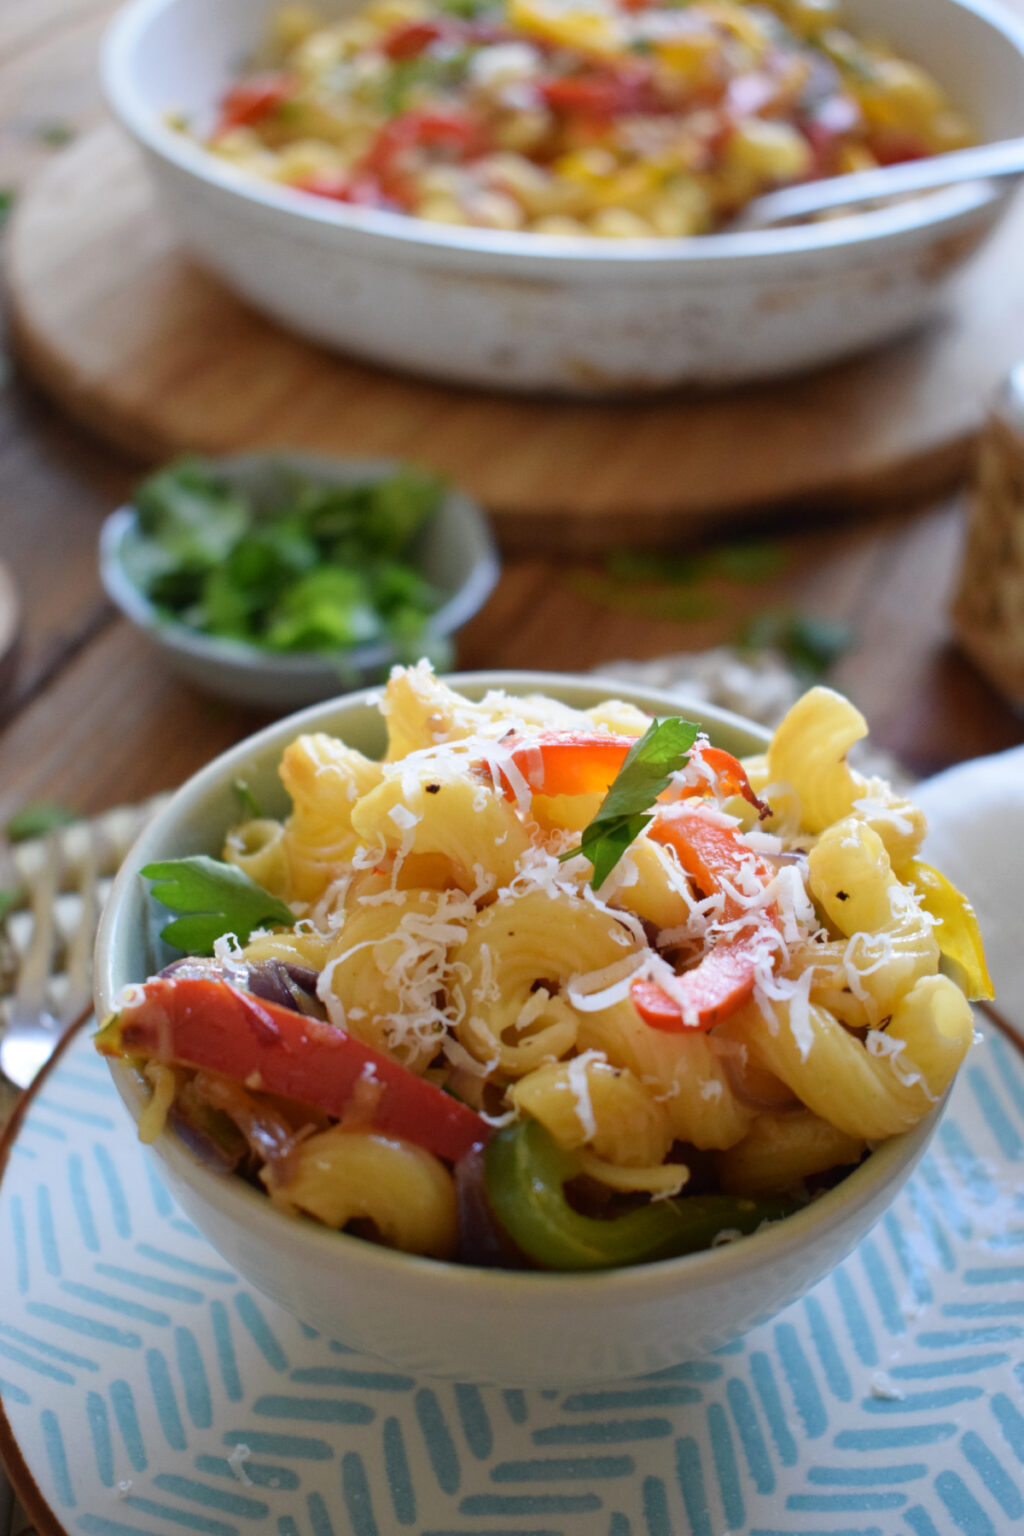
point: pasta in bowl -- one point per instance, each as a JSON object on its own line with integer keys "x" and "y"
{"x": 518, "y": 983}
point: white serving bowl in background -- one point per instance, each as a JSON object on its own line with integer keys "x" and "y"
{"x": 456, "y": 554}
{"x": 460, "y": 1322}
{"x": 526, "y": 311}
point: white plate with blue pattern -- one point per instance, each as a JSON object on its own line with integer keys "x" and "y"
{"x": 146, "y": 1391}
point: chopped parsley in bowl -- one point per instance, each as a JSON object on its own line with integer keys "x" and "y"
{"x": 280, "y": 580}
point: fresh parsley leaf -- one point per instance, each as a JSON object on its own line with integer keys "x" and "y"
{"x": 751, "y": 562}
{"x": 55, "y": 134}
{"x": 39, "y": 818}
{"x": 682, "y": 604}
{"x": 189, "y": 521}
{"x": 811, "y": 644}
{"x": 625, "y": 811}
{"x": 250, "y": 805}
{"x": 9, "y": 899}
{"x": 215, "y": 898}
{"x": 639, "y": 565}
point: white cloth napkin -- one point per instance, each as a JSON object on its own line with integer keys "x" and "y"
{"x": 976, "y": 837}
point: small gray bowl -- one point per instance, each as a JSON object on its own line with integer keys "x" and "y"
{"x": 457, "y": 555}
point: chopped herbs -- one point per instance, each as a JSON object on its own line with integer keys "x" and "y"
{"x": 811, "y": 644}
{"x": 750, "y": 563}
{"x": 250, "y": 805}
{"x": 682, "y": 604}
{"x": 682, "y": 588}
{"x": 308, "y": 567}
{"x": 39, "y": 818}
{"x": 55, "y": 134}
{"x": 9, "y": 899}
{"x": 7, "y": 199}
{"x": 215, "y": 899}
{"x": 625, "y": 811}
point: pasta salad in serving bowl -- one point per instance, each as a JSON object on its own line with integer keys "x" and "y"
{"x": 621, "y": 293}
{"x": 514, "y": 1032}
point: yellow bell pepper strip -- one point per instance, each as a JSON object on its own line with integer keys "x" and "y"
{"x": 956, "y": 931}
{"x": 723, "y": 980}
{"x": 526, "y": 1172}
{"x": 209, "y": 1024}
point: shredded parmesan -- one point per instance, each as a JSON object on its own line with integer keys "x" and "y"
{"x": 580, "y": 1088}
{"x": 239, "y": 1455}
{"x": 883, "y": 1387}
{"x": 600, "y": 989}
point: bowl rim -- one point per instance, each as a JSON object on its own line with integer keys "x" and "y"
{"x": 466, "y": 600}
{"x": 419, "y": 237}
{"x": 891, "y": 1162}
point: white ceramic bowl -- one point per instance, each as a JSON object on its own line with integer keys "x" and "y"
{"x": 516, "y": 1328}
{"x": 525, "y": 311}
{"x": 456, "y": 554}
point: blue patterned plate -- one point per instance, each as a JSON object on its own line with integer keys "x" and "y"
{"x": 147, "y": 1391}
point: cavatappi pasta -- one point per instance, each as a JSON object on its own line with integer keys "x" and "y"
{"x": 615, "y": 119}
{"x": 752, "y": 998}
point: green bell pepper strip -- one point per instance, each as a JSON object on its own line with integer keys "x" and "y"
{"x": 525, "y": 1173}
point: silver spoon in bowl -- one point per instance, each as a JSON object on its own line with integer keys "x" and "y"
{"x": 796, "y": 204}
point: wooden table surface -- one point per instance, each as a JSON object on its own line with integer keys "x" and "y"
{"x": 91, "y": 718}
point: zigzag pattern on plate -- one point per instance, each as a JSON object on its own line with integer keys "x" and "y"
{"x": 152, "y": 1393}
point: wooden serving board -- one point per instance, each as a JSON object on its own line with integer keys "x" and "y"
{"x": 133, "y": 339}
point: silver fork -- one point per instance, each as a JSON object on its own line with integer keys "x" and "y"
{"x": 37, "y": 1016}
{"x": 67, "y": 875}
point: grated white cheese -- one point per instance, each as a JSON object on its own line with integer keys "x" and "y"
{"x": 403, "y": 817}
{"x": 878, "y": 805}
{"x": 880, "y": 1044}
{"x": 595, "y": 990}
{"x": 580, "y": 1089}
{"x": 883, "y": 1387}
{"x": 456, "y": 1053}
{"x": 240, "y": 1454}
{"x": 228, "y": 953}
{"x": 726, "y": 1236}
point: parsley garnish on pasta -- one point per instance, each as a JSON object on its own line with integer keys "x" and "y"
{"x": 215, "y": 898}
{"x": 625, "y": 811}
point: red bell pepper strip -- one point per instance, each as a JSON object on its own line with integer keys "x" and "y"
{"x": 587, "y": 764}
{"x": 409, "y": 39}
{"x": 362, "y": 191}
{"x": 724, "y": 979}
{"x": 207, "y": 1023}
{"x": 730, "y": 779}
{"x": 454, "y": 132}
{"x": 604, "y": 94}
{"x": 252, "y": 100}
{"x": 892, "y": 146}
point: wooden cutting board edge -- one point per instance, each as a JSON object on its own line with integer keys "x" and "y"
{"x": 931, "y": 473}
